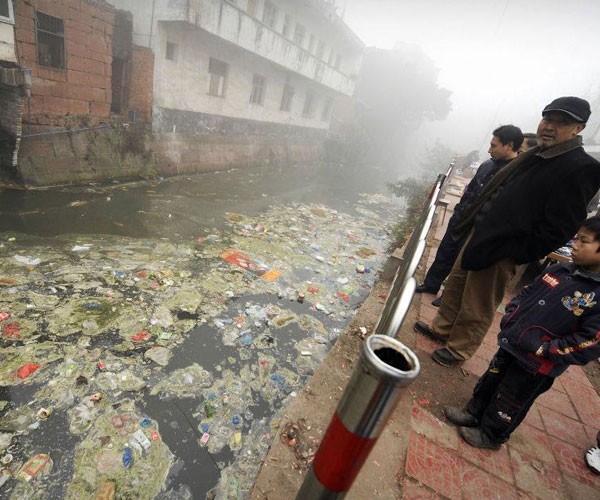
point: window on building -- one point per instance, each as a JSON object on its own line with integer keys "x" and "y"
{"x": 287, "y": 98}
{"x": 331, "y": 57}
{"x": 327, "y": 109}
{"x": 287, "y": 23}
{"x": 50, "y": 37}
{"x": 171, "y": 53}
{"x": 320, "y": 49}
{"x": 251, "y": 7}
{"x": 299, "y": 34}
{"x": 311, "y": 43}
{"x": 6, "y": 11}
{"x": 309, "y": 105}
{"x": 259, "y": 85}
{"x": 269, "y": 14}
{"x": 218, "y": 77}
{"x": 338, "y": 61}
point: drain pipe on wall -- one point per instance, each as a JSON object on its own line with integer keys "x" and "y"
{"x": 385, "y": 367}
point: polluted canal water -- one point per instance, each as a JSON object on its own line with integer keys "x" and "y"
{"x": 153, "y": 332}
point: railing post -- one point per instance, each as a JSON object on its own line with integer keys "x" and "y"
{"x": 384, "y": 368}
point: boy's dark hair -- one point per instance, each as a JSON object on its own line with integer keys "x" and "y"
{"x": 593, "y": 226}
{"x": 509, "y": 133}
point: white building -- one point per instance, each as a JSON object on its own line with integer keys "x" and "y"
{"x": 244, "y": 63}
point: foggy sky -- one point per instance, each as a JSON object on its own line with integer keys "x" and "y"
{"x": 504, "y": 60}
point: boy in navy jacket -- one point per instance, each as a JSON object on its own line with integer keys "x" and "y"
{"x": 550, "y": 325}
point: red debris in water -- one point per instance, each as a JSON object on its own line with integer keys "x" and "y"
{"x": 27, "y": 369}
{"x": 11, "y": 331}
{"x": 344, "y": 296}
{"x": 140, "y": 337}
{"x": 4, "y": 315}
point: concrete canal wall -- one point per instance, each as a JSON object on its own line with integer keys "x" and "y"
{"x": 124, "y": 152}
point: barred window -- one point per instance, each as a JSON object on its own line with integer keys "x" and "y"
{"x": 299, "y": 34}
{"x": 287, "y": 97}
{"x": 50, "y": 32}
{"x": 269, "y": 14}
{"x": 309, "y": 105}
{"x": 287, "y": 22}
{"x": 218, "y": 77}
{"x": 258, "y": 89}
{"x": 171, "y": 52}
{"x": 6, "y": 11}
{"x": 327, "y": 109}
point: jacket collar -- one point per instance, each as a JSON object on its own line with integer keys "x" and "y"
{"x": 561, "y": 148}
{"x": 575, "y": 270}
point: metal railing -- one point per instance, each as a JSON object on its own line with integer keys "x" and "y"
{"x": 385, "y": 367}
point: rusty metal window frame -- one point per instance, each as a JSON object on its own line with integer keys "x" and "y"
{"x": 50, "y": 37}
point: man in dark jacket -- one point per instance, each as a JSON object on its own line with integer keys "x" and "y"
{"x": 533, "y": 206}
{"x": 504, "y": 146}
{"x": 550, "y": 325}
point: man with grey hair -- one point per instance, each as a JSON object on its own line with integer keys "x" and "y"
{"x": 533, "y": 206}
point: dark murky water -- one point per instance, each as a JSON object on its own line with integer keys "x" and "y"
{"x": 178, "y": 208}
{"x": 175, "y": 209}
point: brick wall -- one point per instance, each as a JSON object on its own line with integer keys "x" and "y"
{"x": 80, "y": 93}
{"x": 142, "y": 79}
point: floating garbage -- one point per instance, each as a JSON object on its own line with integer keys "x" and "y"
{"x": 27, "y": 369}
{"x": 38, "y": 465}
{"x": 104, "y": 317}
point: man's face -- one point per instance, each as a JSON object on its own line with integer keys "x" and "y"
{"x": 499, "y": 151}
{"x": 556, "y": 128}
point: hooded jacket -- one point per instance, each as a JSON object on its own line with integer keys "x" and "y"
{"x": 530, "y": 208}
{"x": 557, "y": 316}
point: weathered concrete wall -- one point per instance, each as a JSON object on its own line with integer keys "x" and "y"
{"x": 132, "y": 152}
{"x": 184, "y": 84}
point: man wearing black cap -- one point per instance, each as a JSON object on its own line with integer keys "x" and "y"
{"x": 531, "y": 207}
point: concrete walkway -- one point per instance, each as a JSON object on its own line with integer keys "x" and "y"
{"x": 420, "y": 455}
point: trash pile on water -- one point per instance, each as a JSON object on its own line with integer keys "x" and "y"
{"x": 98, "y": 331}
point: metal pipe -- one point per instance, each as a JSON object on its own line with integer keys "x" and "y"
{"x": 384, "y": 368}
{"x": 70, "y": 131}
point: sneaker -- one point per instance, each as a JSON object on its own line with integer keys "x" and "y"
{"x": 444, "y": 357}
{"x": 423, "y": 329}
{"x": 437, "y": 302}
{"x": 592, "y": 458}
{"x": 460, "y": 416}
{"x": 424, "y": 289}
{"x": 477, "y": 438}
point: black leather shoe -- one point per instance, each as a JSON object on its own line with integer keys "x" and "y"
{"x": 437, "y": 302}
{"x": 460, "y": 417}
{"x": 477, "y": 438}
{"x": 423, "y": 289}
{"x": 444, "y": 357}
{"x": 423, "y": 329}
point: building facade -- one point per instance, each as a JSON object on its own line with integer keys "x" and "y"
{"x": 96, "y": 90}
{"x": 222, "y": 64}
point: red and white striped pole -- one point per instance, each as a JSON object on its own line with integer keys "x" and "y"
{"x": 384, "y": 368}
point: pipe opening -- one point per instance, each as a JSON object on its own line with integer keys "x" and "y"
{"x": 393, "y": 358}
